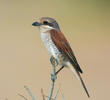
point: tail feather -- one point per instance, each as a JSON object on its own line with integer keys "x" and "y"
{"x": 78, "y": 76}
{"x": 83, "y": 85}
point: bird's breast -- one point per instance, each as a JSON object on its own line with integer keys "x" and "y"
{"x": 52, "y": 49}
{"x": 50, "y": 46}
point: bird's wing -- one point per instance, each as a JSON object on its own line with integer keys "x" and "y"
{"x": 62, "y": 44}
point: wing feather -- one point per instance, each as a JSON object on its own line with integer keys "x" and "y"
{"x": 60, "y": 41}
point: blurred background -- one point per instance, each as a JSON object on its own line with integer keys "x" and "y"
{"x": 25, "y": 61}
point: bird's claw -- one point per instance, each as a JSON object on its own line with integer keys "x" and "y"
{"x": 53, "y": 61}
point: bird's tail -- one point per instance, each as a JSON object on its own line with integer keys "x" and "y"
{"x": 78, "y": 76}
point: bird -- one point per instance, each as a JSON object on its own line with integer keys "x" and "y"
{"x": 58, "y": 46}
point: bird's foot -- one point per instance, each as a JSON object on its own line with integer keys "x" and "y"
{"x": 53, "y": 61}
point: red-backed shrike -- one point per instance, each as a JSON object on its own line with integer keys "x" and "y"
{"x": 58, "y": 46}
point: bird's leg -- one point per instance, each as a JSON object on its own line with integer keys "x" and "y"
{"x": 59, "y": 70}
{"x": 56, "y": 64}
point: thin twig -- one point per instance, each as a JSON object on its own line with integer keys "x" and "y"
{"x": 51, "y": 98}
{"x": 43, "y": 96}
{"x": 53, "y": 77}
{"x": 29, "y": 92}
{"x": 63, "y": 97}
{"x": 57, "y": 93}
{"x": 22, "y": 96}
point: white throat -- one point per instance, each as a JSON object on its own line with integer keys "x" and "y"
{"x": 45, "y": 28}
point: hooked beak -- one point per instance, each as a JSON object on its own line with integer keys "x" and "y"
{"x": 36, "y": 24}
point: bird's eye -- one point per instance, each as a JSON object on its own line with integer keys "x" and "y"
{"x": 45, "y": 23}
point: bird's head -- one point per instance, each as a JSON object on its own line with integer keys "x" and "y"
{"x": 46, "y": 23}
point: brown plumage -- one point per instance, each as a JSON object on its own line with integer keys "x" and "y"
{"x": 64, "y": 47}
{"x": 62, "y": 44}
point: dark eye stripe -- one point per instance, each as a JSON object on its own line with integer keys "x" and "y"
{"x": 47, "y": 23}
